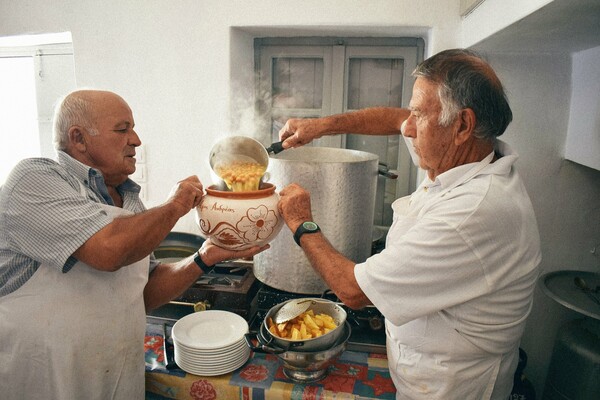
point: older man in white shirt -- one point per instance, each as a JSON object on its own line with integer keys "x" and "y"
{"x": 455, "y": 280}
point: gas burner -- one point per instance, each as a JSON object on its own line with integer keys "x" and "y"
{"x": 230, "y": 286}
{"x": 229, "y": 274}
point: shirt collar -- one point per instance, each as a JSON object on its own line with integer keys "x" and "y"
{"x": 462, "y": 173}
{"x": 86, "y": 175}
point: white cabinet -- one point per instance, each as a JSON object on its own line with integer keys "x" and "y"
{"x": 583, "y": 134}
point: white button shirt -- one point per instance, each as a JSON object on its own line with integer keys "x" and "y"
{"x": 455, "y": 282}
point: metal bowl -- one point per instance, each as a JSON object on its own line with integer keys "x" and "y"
{"x": 301, "y": 366}
{"x": 325, "y": 341}
{"x": 178, "y": 245}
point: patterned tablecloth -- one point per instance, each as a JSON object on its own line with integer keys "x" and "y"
{"x": 354, "y": 375}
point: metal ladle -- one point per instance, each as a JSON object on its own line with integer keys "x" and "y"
{"x": 292, "y": 309}
{"x": 241, "y": 149}
{"x": 581, "y": 284}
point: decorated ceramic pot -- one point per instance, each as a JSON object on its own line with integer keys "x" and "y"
{"x": 240, "y": 220}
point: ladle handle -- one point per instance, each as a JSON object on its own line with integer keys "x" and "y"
{"x": 275, "y": 148}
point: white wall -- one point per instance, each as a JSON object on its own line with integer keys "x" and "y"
{"x": 179, "y": 63}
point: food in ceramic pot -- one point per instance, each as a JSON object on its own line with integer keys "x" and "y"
{"x": 324, "y": 341}
{"x": 240, "y": 220}
{"x": 240, "y": 176}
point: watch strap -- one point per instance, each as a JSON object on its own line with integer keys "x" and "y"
{"x": 198, "y": 260}
{"x": 305, "y": 227}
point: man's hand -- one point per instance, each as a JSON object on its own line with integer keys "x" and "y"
{"x": 297, "y": 132}
{"x": 294, "y": 206}
{"x": 186, "y": 194}
{"x": 212, "y": 254}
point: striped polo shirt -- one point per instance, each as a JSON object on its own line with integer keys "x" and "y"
{"x": 48, "y": 209}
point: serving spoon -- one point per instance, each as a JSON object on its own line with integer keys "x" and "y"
{"x": 581, "y": 284}
{"x": 292, "y": 309}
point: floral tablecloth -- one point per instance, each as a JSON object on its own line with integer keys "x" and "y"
{"x": 354, "y": 375}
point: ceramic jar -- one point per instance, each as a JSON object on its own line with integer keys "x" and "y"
{"x": 240, "y": 220}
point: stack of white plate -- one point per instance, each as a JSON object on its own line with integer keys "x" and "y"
{"x": 210, "y": 343}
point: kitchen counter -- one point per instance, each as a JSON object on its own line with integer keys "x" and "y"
{"x": 355, "y": 375}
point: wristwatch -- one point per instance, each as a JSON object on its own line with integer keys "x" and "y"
{"x": 305, "y": 227}
{"x": 198, "y": 260}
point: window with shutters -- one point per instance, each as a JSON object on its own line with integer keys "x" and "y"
{"x": 317, "y": 76}
{"x": 35, "y": 70}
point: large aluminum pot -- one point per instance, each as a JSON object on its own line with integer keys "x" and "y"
{"x": 342, "y": 184}
{"x": 325, "y": 341}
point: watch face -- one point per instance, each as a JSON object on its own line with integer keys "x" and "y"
{"x": 311, "y": 226}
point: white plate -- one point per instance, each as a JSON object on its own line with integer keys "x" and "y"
{"x": 180, "y": 358}
{"x": 211, "y": 371}
{"x": 215, "y": 351}
{"x": 212, "y": 357}
{"x": 210, "y": 329}
{"x": 224, "y": 357}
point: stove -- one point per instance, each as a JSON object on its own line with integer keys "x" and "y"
{"x": 231, "y": 286}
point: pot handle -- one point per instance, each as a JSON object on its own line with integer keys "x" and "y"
{"x": 262, "y": 347}
{"x": 385, "y": 171}
{"x": 275, "y": 148}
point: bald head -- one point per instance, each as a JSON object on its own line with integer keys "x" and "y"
{"x": 79, "y": 108}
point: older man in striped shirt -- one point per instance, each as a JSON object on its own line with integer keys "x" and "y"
{"x": 76, "y": 264}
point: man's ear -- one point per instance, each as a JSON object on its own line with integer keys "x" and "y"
{"x": 467, "y": 120}
{"x": 77, "y": 139}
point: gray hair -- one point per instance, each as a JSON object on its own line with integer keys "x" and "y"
{"x": 467, "y": 81}
{"x": 71, "y": 110}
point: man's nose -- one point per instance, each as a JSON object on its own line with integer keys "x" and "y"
{"x": 134, "y": 140}
{"x": 408, "y": 127}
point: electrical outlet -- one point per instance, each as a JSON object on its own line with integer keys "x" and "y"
{"x": 144, "y": 192}
{"x": 140, "y": 154}
{"x": 140, "y": 174}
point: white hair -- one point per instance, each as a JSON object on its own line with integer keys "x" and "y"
{"x": 71, "y": 110}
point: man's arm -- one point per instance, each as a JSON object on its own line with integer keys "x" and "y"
{"x": 169, "y": 281}
{"x": 129, "y": 239}
{"x": 335, "y": 269}
{"x": 369, "y": 121}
